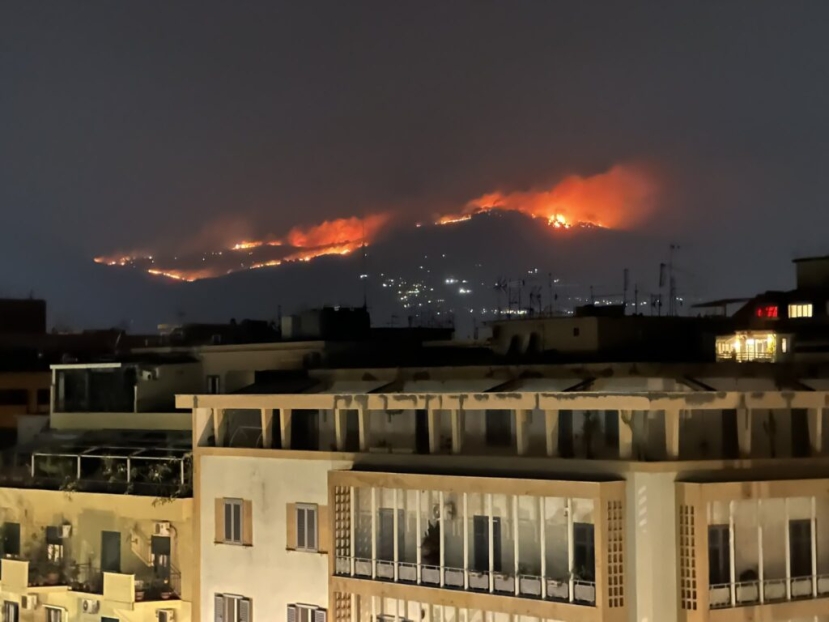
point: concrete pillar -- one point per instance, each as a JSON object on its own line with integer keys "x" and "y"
{"x": 433, "y": 421}
{"x": 285, "y": 416}
{"x": 365, "y": 433}
{"x": 442, "y": 531}
{"x": 815, "y": 417}
{"x": 761, "y": 573}
{"x": 267, "y": 428}
{"x": 515, "y": 539}
{"x": 465, "y": 527}
{"x": 626, "y": 434}
{"x": 788, "y": 553}
{"x": 522, "y": 433}
{"x": 219, "y": 426}
{"x": 731, "y": 556}
{"x": 672, "y": 421}
{"x": 542, "y": 539}
{"x": 744, "y": 432}
{"x": 419, "y": 530}
{"x": 551, "y": 425}
{"x": 374, "y": 533}
{"x": 395, "y": 530}
{"x": 813, "y": 539}
{"x": 457, "y": 430}
{"x": 352, "y": 525}
{"x": 339, "y": 428}
{"x": 570, "y": 552}
{"x": 491, "y": 542}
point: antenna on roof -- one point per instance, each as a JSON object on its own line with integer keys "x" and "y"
{"x": 363, "y": 272}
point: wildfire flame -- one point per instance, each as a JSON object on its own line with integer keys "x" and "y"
{"x": 615, "y": 199}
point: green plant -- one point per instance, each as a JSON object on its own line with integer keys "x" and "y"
{"x": 185, "y": 484}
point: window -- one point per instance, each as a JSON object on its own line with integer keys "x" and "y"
{"x": 480, "y": 543}
{"x": 784, "y": 345}
{"x": 14, "y": 397}
{"x": 385, "y": 534}
{"x": 305, "y": 613}
{"x": 576, "y": 331}
{"x": 11, "y": 539}
{"x": 306, "y": 527}
{"x": 584, "y": 552}
{"x": 11, "y": 611}
{"x": 800, "y": 547}
{"x": 54, "y": 614}
{"x": 213, "y": 385}
{"x": 233, "y": 521}
{"x": 719, "y": 555}
{"x": 767, "y": 311}
{"x": 232, "y": 608}
{"x": 800, "y": 309}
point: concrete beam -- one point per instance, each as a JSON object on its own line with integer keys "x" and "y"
{"x": 219, "y": 426}
{"x": 362, "y": 424}
{"x": 339, "y": 428}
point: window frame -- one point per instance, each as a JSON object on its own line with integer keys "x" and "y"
{"x": 231, "y": 608}
{"x": 312, "y": 510}
{"x": 723, "y": 561}
{"x": 52, "y": 610}
{"x": 800, "y": 547}
{"x": 801, "y": 310}
{"x": 231, "y": 527}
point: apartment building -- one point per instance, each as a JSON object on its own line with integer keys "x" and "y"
{"x": 580, "y": 493}
{"x": 96, "y": 509}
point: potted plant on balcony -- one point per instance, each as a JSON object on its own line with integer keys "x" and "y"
{"x": 140, "y": 591}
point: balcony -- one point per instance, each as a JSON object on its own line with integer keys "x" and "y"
{"x": 473, "y": 534}
{"x": 85, "y": 466}
{"x": 762, "y": 543}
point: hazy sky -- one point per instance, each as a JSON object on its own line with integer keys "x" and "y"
{"x": 127, "y": 125}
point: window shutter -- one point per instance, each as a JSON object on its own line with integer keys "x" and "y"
{"x": 220, "y": 521}
{"x": 244, "y": 610}
{"x": 219, "y": 608}
{"x": 311, "y": 516}
{"x": 301, "y": 524}
{"x": 247, "y": 523}
{"x": 319, "y": 615}
{"x": 291, "y": 613}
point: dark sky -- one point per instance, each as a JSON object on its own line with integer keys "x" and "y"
{"x": 129, "y": 125}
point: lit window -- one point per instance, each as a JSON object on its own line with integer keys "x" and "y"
{"x": 767, "y": 311}
{"x": 801, "y": 309}
{"x": 784, "y": 345}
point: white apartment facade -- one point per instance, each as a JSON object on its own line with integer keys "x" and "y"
{"x": 527, "y": 503}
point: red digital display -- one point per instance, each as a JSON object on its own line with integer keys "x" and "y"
{"x": 769, "y": 311}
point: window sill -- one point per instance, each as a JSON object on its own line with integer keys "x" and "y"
{"x": 239, "y": 544}
{"x": 291, "y": 550}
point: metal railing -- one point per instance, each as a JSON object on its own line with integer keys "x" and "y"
{"x": 583, "y": 592}
{"x": 725, "y": 595}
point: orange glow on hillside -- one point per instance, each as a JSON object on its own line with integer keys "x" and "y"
{"x": 353, "y": 230}
{"x": 617, "y": 199}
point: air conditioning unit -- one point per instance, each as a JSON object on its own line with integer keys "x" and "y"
{"x": 66, "y": 531}
{"x": 90, "y": 605}
{"x": 165, "y": 615}
{"x": 28, "y": 601}
{"x": 162, "y": 528}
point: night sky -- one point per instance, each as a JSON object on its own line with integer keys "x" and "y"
{"x": 160, "y": 125}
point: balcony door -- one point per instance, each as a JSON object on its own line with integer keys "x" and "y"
{"x": 111, "y": 551}
{"x": 11, "y": 611}
{"x": 719, "y": 555}
{"x": 385, "y": 534}
{"x": 800, "y": 547}
{"x": 160, "y": 546}
{"x": 480, "y": 540}
{"x": 584, "y": 551}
